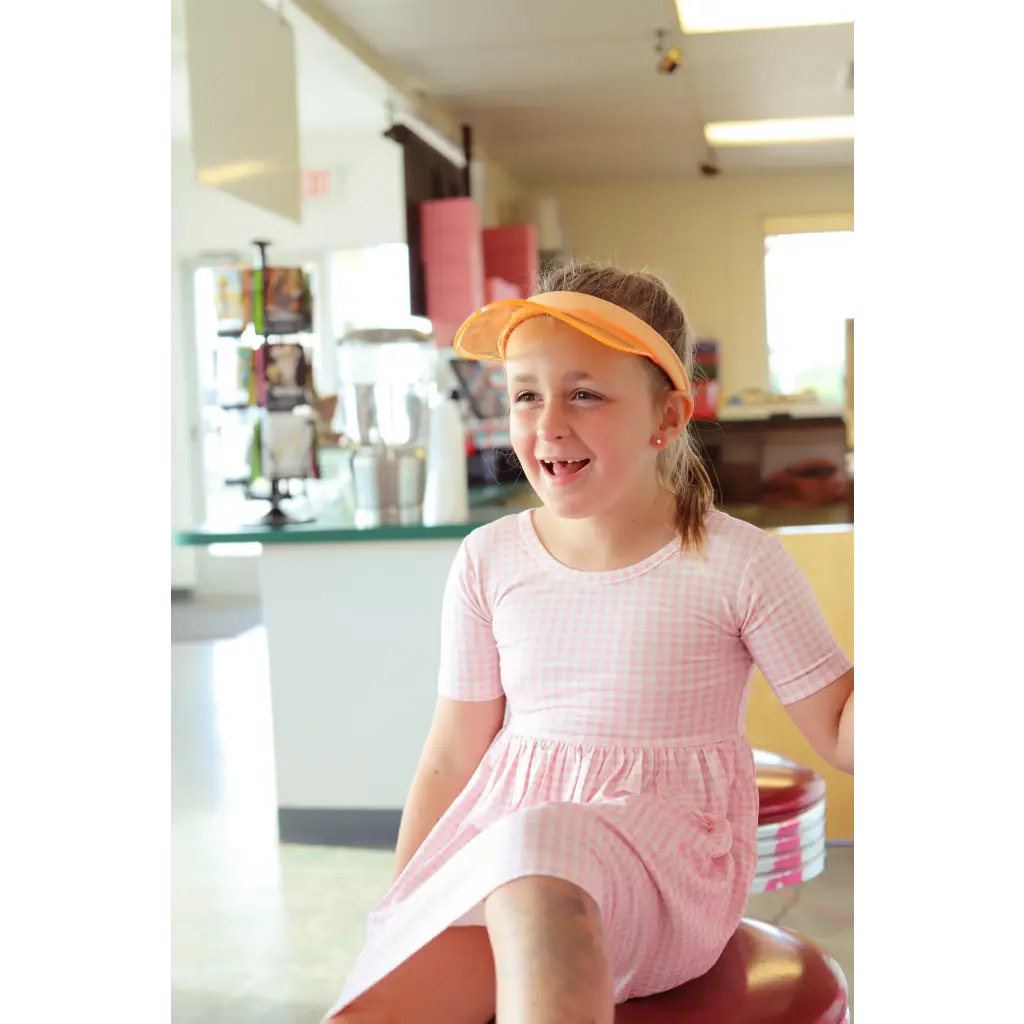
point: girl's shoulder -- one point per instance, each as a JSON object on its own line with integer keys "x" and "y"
{"x": 494, "y": 545}
{"x": 490, "y": 556}
{"x": 495, "y": 536}
{"x": 727, "y": 535}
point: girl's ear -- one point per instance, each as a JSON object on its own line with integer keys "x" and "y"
{"x": 677, "y": 412}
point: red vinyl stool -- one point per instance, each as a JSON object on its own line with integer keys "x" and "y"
{"x": 784, "y": 788}
{"x": 791, "y": 823}
{"x": 765, "y": 975}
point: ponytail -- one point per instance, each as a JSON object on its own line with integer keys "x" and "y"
{"x": 682, "y": 473}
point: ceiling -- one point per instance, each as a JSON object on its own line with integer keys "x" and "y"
{"x": 568, "y": 88}
{"x": 338, "y": 95}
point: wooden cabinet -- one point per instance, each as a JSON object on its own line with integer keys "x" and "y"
{"x": 428, "y": 175}
{"x": 741, "y": 455}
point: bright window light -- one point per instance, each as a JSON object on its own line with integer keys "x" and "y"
{"x": 241, "y": 550}
{"x": 809, "y": 295}
{"x": 697, "y": 16}
{"x": 765, "y": 133}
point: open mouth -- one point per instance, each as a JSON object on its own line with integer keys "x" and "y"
{"x": 564, "y": 468}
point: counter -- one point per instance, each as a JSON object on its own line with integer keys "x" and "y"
{"x": 351, "y": 617}
{"x": 341, "y": 526}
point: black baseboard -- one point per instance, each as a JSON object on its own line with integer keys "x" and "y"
{"x": 363, "y": 828}
{"x": 182, "y": 595}
{"x": 366, "y": 828}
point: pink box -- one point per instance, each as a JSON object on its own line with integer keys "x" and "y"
{"x": 453, "y": 263}
{"x": 450, "y": 230}
{"x": 453, "y": 292}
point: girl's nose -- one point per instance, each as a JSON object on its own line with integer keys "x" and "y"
{"x": 552, "y": 424}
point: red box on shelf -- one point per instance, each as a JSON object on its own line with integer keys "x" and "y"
{"x": 705, "y": 399}
{"x": 497, "y": 288}
{"x": 705, "y": 385}
{"x": 511, "y": 253}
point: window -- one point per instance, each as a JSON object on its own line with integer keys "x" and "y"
{"x": 808, "y": 298}
{"x": 370, "y": 288}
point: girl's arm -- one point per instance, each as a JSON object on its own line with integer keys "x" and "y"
{"x": 470, "y": 709}
{"x": 459, "y": 736}
{"x": 790, "y": 642}
{"x": 826, "y": 719}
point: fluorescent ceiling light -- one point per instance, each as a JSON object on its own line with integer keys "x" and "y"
{"x": 697, "y": 16}
{"x": 766, "y": 133}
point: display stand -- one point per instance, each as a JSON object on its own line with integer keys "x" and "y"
{"x": 277, "y": 516}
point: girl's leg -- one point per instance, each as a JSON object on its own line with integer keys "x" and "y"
{"x": 550, "y": 954}
{"x": 449, "y": 981}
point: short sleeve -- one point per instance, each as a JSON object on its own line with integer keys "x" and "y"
{"x": 783, "y": 628}
{"x": 469, "y": 656}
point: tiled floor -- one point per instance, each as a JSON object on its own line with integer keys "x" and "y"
{"x": 193, "y": 620}
{"x": 264, "y": 934}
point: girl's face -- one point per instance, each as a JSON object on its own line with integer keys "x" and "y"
{"x": 583, "y": 419}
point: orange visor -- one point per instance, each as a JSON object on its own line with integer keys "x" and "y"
{"x": 485, "y": 334}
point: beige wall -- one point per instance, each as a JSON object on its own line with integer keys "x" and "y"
{"x": 704, "y": 236}
{"x": 502, "y": 196}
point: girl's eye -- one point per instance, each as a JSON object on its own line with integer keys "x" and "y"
{"x": 580, "y": 395}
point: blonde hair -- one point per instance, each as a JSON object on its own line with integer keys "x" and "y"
{"x": 680, "y": 469}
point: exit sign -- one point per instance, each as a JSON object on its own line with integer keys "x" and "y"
{"x": 317, "y": 184}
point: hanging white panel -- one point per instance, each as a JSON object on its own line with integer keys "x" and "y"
{"x": 243, "y": 102}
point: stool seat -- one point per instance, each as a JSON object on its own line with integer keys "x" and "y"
{"x": 784, "y": 788}
{"x": 784, "y": 824}
{"x": 765, "y": 975}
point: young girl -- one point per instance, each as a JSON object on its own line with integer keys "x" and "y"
{"x": 601, "y": 843}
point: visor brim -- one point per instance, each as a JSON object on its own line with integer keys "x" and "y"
{"x": 484, "y": 333}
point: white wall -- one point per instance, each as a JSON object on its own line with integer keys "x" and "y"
{"x": 366, "y": 207}
{"x": 183, "y": 560}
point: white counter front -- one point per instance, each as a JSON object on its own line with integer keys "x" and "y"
{"x": 353, "y": 638}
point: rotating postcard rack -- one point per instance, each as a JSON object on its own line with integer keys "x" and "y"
{"x": 275, "y": 375}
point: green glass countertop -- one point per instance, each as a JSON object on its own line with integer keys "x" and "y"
{"x": 486, "y": 505}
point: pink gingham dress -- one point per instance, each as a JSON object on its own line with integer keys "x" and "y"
{"x": 623, "y": 765}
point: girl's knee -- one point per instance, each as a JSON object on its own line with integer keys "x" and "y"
{"x": 543, "y": 911}
{"x": 549, "y": 951}
{"x": 545, "y": 893}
